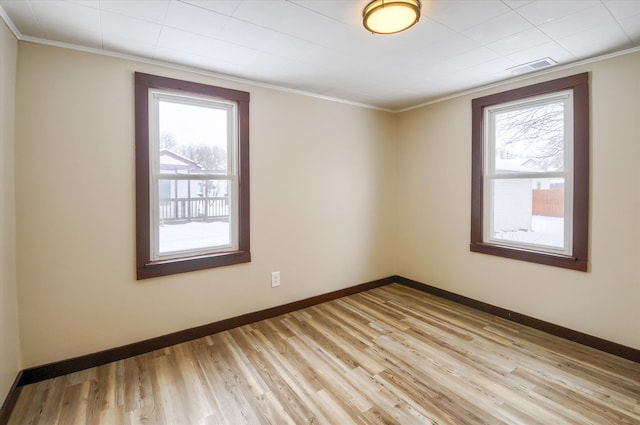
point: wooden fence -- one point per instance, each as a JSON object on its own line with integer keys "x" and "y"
{"x": 548, "y": 202}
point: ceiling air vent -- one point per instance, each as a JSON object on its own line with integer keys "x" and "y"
{"x": 532, "y": 66}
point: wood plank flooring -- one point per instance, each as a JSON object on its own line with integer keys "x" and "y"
{"x": 391, "y": 355}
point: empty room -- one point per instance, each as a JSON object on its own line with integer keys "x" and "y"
{"x": 319, "y": 212}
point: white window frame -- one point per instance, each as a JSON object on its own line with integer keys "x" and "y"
{"x": 155, "y": 97}
{"x": 490, "y": 175}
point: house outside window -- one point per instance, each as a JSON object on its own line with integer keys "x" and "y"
{"x": 192, "y": 176}
{"x": 530, "y": 173}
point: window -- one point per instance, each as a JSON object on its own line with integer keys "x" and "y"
{"x": 530, "y": 173}
{"x": 192, "y": 176}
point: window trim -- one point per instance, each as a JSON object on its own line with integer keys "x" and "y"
{"x": 145, "y": 266}
{"x": 579, "y": 84}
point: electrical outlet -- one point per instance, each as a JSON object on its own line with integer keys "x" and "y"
{"x": 275, "y": 279}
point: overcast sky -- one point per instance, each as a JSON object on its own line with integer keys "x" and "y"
{"x": 194, "y": 124}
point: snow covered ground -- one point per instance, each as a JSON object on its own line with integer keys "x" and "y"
{"x": 193, "y": 235}
{"x": 547, "y": 231}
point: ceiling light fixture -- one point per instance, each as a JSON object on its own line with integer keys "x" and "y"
{"x": 390, "y": 16}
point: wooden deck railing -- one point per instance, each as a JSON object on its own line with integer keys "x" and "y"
{"x": 180, "y": 210}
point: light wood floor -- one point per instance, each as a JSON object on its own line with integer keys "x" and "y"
{"x": 391, "y": 355}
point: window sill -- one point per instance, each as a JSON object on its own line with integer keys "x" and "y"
{"x": 183, "y": 265}
{"x": 548, "y": 259}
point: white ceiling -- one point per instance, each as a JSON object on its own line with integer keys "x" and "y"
{"x": 320, "y": 46}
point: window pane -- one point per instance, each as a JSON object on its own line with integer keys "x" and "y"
{"x": 530, "y": 139}
{"x": 196, "y": 136}
{"x": 529, "y": 211}
{"x": 193, "y": 215}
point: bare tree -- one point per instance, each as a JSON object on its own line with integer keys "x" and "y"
{"x": 209, "y": 157}
{"x": 168, "y": 141}
{"x": 535, "y": 133}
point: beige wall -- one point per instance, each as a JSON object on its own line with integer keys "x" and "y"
{"x": 322, "y": 188}
{"x": 340, "y": 195}
{"x": 9, "y": 342}
{"x": 434, "y": 165}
